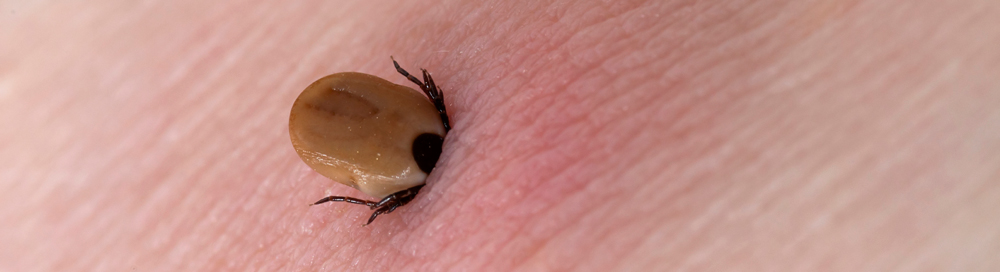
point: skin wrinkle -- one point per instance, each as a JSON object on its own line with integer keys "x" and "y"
{"x": 747, "y": 36}
{"x": 452, "y": 245}
{"x": 667, "y": 196}
{"x": 559, "y": 174}
{"x": 257, "y": 190}
{"x": 472, "y": 198}
{"x": 558, "y": 87}
{"x": 621, "y": 244}
{"x": 515, "y": 158}
{"x": 284, "y": 228}
{"x": 522, "y": 61}
{"x": 549, "y": 215}
{"x": 668, "y": 228}
{"x": 625, "y": 223}
{"x": 425, "y": 232}
{"x": 588, "y": 187}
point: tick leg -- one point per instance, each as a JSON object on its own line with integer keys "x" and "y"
{"x": 429, "y": 84}
{"x": 406, "y": 74}
{"x": 391, "y": 208}
{"x": 399, "y": 198}
{"x": 386, "y": 209}
{"x": 384, "y": 206}
{"x": 351, "y": 200}
{"x": 437, "y": 97}
{"x": 388, "y": 200}
{"x": 393, "y": 201}
{"x": 430, "y": 89}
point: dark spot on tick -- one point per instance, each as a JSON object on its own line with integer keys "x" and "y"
{"x": 427, "y": 150}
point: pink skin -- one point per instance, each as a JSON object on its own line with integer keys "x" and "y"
{"x": 668, "y": 135}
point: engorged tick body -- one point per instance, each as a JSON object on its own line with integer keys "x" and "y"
{"x": 371, "y": 134}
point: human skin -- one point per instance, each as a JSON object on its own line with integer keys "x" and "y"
{"x": 626, "y": 135}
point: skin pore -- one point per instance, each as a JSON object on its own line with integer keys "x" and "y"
{"x": 623, "y": 135}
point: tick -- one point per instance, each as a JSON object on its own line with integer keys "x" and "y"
{"x": 363, "y": 131}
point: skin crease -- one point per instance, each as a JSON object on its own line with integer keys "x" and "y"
{"x": 625, "y": 135}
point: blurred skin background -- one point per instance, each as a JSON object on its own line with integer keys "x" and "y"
{"x": 593, "y": 136}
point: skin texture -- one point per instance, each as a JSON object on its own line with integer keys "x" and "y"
{"x": 623, "y": 135}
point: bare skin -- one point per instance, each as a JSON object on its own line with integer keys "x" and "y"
{"x": 659, "y": 136}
